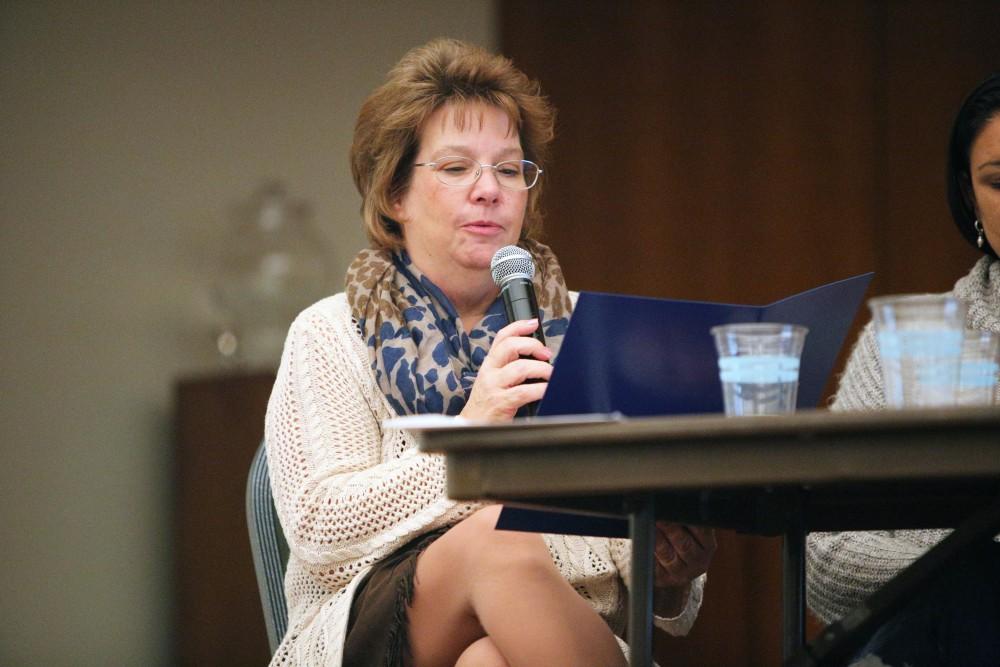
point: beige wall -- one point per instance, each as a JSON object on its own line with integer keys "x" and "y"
{"x": 128, "y": 131}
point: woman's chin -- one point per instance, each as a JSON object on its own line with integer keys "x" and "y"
{"x": 480, "y": 256}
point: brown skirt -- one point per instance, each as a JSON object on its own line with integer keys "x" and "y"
{"x": 377, "y": 625}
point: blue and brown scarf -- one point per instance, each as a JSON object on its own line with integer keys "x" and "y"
{"x": 423, "y": 359}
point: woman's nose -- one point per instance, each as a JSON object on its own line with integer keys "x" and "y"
{"x": 486, "y": 187}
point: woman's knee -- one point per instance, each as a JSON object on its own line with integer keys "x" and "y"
{"x": 483, "y": 520}
{"x": 482, "y": 653}
{"x": 476, "y": 546}
{"x": 504, "y": 551}
{"x": 451, "y": 574}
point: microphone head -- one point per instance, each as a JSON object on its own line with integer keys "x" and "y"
{"x": 511, "y": 262}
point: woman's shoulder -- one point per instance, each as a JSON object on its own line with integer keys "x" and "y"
{"x": 982, "y": 282}
{"x": 330, "y": 316}
{"x": 333, "y": 308}
{"x": 329, "y": 328}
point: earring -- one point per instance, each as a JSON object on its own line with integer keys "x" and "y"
{"x": 979, "y": 233}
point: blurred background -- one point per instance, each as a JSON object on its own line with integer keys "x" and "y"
{"x": 706, "y": 150}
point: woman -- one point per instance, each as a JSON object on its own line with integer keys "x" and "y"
{"x": 384, "y": 569}
{"x": 959, "y": 624}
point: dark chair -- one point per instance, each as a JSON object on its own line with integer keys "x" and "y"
{"x": 269, "y": 548}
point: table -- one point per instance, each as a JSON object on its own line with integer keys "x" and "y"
{"x": 815, "y": 470}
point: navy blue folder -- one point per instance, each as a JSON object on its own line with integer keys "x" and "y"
{"x": 644, "y": 357}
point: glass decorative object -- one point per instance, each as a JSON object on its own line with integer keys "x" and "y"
{"x": 274, "y": 265}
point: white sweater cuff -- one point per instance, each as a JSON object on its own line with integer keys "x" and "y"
{"x": 683, "y": 622}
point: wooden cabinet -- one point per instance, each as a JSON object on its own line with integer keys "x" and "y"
{"x": 220, "y": 423}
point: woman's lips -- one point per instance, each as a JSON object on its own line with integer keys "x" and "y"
{"x": 483, "y": 227}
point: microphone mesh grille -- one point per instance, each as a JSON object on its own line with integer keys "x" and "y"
{"x": 510, "y": 261}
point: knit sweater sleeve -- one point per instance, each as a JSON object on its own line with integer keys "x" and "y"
{"x": 846, "y": 567}
{"x": 347, "y": 493}
{"x": 861, "y": 386}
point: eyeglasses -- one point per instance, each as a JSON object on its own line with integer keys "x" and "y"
{"x": 459, "y": 171}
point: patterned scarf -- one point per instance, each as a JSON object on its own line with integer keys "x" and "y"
{"x": 423, "y": 359}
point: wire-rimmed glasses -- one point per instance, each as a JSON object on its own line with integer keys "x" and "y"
{"x": 459, "y": 171}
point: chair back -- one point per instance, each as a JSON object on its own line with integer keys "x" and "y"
{"x": 269, "y": 548}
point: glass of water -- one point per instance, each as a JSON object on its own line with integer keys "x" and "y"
{"x": 977, "y": 380}
{"x": 759, "y": 366}
{"x": 920, "y": 345}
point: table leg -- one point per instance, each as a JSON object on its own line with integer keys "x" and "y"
{"x": 640, "y": 611}
{"x": 793, "y": 591}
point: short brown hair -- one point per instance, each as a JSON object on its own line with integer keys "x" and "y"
{"x": 386, "y": 136}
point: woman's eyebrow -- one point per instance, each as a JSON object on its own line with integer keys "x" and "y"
{"x": 443, "y": 150}
{"x": 513, "y": 150}
{"x": 452, "y": 149}
{"x": 989, "y": 163}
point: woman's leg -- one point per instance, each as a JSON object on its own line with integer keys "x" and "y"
{"x": 481, "y": 653}
{"x": 475, "y": 581}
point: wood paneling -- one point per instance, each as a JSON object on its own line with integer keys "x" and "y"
{"x": 936, "y": 53}
{"x": 741, "y": 152}
{"x": 701, "y": 147}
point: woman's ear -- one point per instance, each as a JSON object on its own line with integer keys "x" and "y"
{"x": 399, "y": 211}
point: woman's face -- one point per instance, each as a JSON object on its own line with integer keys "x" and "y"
{"x": 984, "y": 170}
{"x": 449, "y": 230}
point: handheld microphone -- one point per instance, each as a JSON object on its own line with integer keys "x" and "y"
{"x": 512, "y": 269}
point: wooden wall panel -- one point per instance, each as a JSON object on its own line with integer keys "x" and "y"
{"x": 701, "y": 146}
{"x": 936, "y": 52}
{"x": 743, "y": 151}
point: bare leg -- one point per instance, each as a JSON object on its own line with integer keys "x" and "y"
{"x": 475, "y": 581}
{"x": 481, "y": 653}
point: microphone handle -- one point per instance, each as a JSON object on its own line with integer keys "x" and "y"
{"x": 520, "y": 304}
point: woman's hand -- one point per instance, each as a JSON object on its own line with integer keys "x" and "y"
{"x": 682, "y": 553}
{"x": 500, "y": 388}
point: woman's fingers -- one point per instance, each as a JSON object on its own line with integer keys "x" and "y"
{"x": 499, "y": 403}
{"x": 682, "y": 552}
{"x": 514, "y": 341}
{"x": 516, "y": 328}
{"x": 513, "y": 349}
{"x": 528, "y": 392}
{"x": 521, "y": 369}
{"x": 514, "y": 373}
{"x": 705, "y": 538}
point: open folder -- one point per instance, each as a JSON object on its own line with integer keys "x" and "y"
{"x": 643, "y": 357}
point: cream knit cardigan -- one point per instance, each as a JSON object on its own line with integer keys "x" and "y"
{"x": 845, "y": 567}
{"x": 349, "y": 492}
